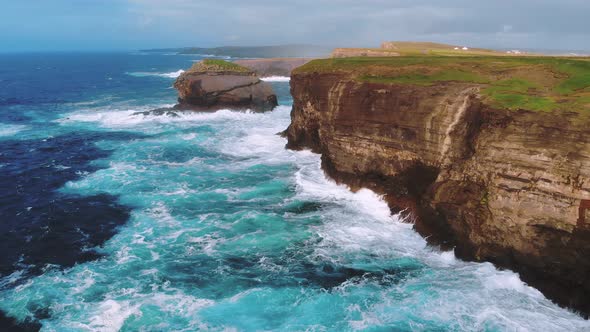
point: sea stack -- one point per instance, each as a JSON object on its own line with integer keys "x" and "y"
{"x": 212, "y": 84}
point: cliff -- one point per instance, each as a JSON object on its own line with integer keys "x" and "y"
{"x": 215, "y": 84}
{"x": 488, "y": 155}
{"x": 273, "y": 66}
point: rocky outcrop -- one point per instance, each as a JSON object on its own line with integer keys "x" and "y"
{"x": 506, "y": 186}
{"x": 356, "y": 52}
{"x": 214, "y": 84}
{"x": 273, "y": 66}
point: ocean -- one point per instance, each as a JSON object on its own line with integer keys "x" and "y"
{"x": 116, "y": 221}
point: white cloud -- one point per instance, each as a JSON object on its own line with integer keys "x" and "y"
{"x": 367, "y": 22}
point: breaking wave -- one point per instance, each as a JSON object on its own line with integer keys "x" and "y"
{"x": 11, "y": 129}
{"x": 276, "y": 79}
{"x": 173, "y": 74}
{"x": 229, "y": 231}
{"x": 227, "y": 225}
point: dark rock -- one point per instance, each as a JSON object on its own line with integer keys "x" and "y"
{"x": 160, "y": 111}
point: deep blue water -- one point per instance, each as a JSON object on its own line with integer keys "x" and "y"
{"x": 111, "y": 220}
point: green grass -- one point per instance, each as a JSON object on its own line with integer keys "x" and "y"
{"x": 425, "y": 80}
{"x": 518, "y": 94}
{"x": 579, "y": 76}
{"x": 429, "y": 48}
{"x": 513, "y": 82}
{"x": 216, "y": 65}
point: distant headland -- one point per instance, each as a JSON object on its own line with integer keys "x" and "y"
{"x": 273, "y": 51}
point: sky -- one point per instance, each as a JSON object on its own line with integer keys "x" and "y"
{"x": 94, "y": 25}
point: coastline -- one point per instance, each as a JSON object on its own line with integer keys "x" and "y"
{"x": 468, "y": 173}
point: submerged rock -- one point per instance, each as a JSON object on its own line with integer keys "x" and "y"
{"x": 216, "y": 84}
{"x": 160, "y": 111}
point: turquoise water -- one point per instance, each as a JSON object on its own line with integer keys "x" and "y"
{"x": 228, "y": 231}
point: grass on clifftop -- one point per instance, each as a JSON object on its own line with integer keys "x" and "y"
{"x": 524, "y": 82}
{"x": 406, "y": 48}
{"x": 216, "y": 65}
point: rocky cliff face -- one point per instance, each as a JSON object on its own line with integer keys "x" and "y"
{"x": 215, "y": 84}
{"x": 498, "y": 185}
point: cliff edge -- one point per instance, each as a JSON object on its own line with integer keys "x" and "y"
{"x": 216, "y": 84}
{"x": 488, "y": 155}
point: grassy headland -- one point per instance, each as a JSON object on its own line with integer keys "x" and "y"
{"x": 216, "y": 65}
{"x": 538, "y": 83}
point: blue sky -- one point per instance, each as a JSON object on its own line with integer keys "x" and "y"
{"x": 53, "y": 25}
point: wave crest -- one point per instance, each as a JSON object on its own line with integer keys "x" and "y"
{"x": 10, "y": 130}
{"x": 173, "y": 74}
{"x": 276, "y": 79}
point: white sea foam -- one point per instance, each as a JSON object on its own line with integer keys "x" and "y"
{"x": 61, "y": 167}
{"x": 86, "y": 278}
{"x": 10, "y": 129}
{"x": 493, "y": 280}
{"x": 276, "y": 78}
{"x": 178, "y": 302}
{"x": 356, "y": 230}
{"x": 124, "y": 255}
{"x": 207, "y": 243}
{"x": 111, "y": 315}
{"x": 131, "y": 118}
{"x": 173, "y": 74}
{"x": 240, "y": 295}
{"x": 12, "y": 278}
{"x": 359, "y": 221}
{"x": 189, "y": 137}
{"x": 208, "y": 56}
{"x": 360, "y": 225}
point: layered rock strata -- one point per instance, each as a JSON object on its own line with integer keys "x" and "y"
{"x": 213, "y": 85}
{"x": 506, "y": 186}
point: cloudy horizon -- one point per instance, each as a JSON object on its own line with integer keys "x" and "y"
{"x": 29, "y": 25}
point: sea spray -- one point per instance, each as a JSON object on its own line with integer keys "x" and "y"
{"x": 276, "y": 79}
{"x": 9, "y": 130}
{"x": 173, "y": 74}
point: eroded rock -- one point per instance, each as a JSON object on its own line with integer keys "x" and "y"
{"x": 497, "y": 185}
{"x": 216, "y": 84}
